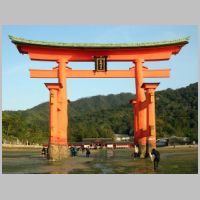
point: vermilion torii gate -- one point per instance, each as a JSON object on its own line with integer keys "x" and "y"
{"x": 63, "y": 53}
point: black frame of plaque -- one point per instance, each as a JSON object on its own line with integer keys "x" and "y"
{"x": 100, "y": 63}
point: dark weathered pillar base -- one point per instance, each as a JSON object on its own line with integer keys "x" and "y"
{"x": 57, "y": 152}
{"x": 142, "y": 151}
{"x": 151, "y": 144}
{"x": 142, "y": 147}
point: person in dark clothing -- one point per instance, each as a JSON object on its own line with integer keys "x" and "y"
{"x": 156, "y": 158}
{"x": 43, "y": 151}
{"x": 73, "y": 151}
{"x": 87, "y": 152}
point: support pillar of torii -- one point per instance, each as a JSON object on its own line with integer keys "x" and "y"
{"x": 57, "y": 149}
{"x": 151, "y": 115}
{"x": 145, "y": 139}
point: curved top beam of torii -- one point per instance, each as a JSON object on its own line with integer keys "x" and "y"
{"x": 78, "y": 52}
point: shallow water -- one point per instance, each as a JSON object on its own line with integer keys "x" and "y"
{"x": 30, "y": 161}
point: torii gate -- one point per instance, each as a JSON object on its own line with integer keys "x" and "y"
{"x": 63, "y": 53}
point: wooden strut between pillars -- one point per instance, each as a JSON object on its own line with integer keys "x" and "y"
{"x": 160, "y": 73}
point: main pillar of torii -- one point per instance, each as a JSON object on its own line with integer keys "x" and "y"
{"x": 58, "y": 143}
{"x": 141, "y": 110}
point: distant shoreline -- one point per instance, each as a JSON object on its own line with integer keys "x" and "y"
{"x": 20, "y": 146}
{"x": 40, "y": 146}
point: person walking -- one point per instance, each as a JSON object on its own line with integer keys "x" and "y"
{"x": 155, "y": 157}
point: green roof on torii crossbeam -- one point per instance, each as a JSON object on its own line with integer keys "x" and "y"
{"x": 22, "y": 41}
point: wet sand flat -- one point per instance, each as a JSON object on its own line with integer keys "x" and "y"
{"x": 179, "y": 160}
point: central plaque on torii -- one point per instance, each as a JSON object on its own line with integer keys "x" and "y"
{"x": 100, "y": 63}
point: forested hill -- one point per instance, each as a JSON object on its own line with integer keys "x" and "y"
{"x": 103, "y": 116}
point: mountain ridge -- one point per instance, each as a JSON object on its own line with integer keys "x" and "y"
{"x": 103, "y": 116}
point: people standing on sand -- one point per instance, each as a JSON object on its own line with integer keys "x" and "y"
{"x": 88, "y": 152}
{"x": 47, "y": 150}
{"x": 73, "y": 151}
{"x": 155, "y": 157}
{"x": 43, "y": 151}
{"x": 82, "y": 149}
{"x": 136, "y": 151}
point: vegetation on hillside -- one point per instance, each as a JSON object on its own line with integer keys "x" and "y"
{"x": 104, "y": 116}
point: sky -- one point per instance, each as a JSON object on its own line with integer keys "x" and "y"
{"x": 20, "y": 92}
